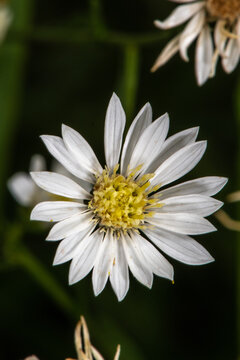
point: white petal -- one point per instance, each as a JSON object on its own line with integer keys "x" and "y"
{"x": 37, "y": 163}
{"x": 6, "y": 17}
{"x": 68, "y": 247}
{"x": 57, "y": 148}
{"x": 70, "y": 226}
{"x": 179, "y": 163}
{"x": 139, "y": 124}
{"x": 150, "y": 143}
{"x": 172, "y": 145}
{"x": 182, "y": 223}
{"x": 209, "y": 186}
{"x": 168, "y": 51}
{"x": 119, "y": 276}
{"x": 196, "y": 204}
{"x": 58, "y": 168}
{"x": 159, "y": 265}
{"x": 136, "y": 261}
{"x": 56, "y": 210}
{"x": 190, "y": 33}
{"x": 113, "y": 132}
{"x": 204, "y": 55}
{"x": 96, "y": 354}
{"x": 179, "y": 15}
{"x": 59, "y": 185}
{"x": 237, "y": 29}
{"x": 103, "y": 264}
{"x": 83, "y": 263}
{"x": 22, "y": 188}
{"x": 180, "y": 247}
{"x": 80, "y": 149}
{"x": 231, "y": 55}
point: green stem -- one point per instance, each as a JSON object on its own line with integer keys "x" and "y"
{"x": 30, "y": 263}
{"x": 17, "y": 254}
{"x": 77, "y": 37}
{"x": 12, "y": 60}
{"x": 129, "y": 80}
{"x": 96, "y": 18}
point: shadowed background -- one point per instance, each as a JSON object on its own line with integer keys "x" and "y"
{"x": 60, "y": 63}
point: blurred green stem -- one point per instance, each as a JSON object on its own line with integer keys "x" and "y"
{"x": 16, "y": 253}
{"x": 129, "y": 79}
{"x": 12, "y": 59}
{"x": 77, "y": 37}
{"x": 96, "y": 19}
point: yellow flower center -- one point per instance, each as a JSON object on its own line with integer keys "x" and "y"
{"x": 224, "y": 9}
{"x": 122, "y": 203}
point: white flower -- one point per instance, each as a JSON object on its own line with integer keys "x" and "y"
{"x": 5, "y": 20}
{"x": 124, "y": 217}
{"x": 216, "y": 26}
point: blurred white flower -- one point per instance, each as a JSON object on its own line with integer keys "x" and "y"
{"x": 216, "y": 26}
{"x": 5, "y": 20}
{"x": 23, "y": 188}
{"x": 124, "y": 217}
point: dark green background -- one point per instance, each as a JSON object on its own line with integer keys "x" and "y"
{"x": 54, "y": 70}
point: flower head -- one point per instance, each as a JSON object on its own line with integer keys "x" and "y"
{"x": 126, "y": 211}
{"x": 216, "y": 26}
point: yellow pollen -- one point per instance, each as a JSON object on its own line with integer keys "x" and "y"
{"x": 224, "y": 9}
{"x": 122, "y": 203}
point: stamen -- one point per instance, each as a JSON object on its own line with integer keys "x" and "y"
{"x": 229, "y": 34}
{"x": 121, "y": 203}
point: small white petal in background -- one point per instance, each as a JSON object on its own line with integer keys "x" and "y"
{"x": 23, "y": 188}
{"x": 204, "y": 55}
{"x": 190, "y": 33}
{"x": 181, "y": 14}
{"x": 126, "y": 216}
{"x": 5, "y": 20}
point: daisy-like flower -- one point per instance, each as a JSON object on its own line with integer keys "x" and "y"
{"x": 216, "y": 26}
{"x": 129, "y": 212}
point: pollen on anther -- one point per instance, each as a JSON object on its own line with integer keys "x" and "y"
{"x": 122, "y": 203}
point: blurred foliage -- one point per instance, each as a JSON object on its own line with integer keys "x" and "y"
{"x": 60, "y": 63}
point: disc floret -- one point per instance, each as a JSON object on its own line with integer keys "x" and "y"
{"x": 226, "y": 10}
{"x": 122, "y": 203}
